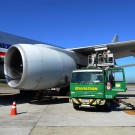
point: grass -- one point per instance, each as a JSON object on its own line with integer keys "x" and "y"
{"x": 130, "y": 84}
{"x": 3, "y": 85}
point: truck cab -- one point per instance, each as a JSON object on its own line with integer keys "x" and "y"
{"x": 96, "y": 87}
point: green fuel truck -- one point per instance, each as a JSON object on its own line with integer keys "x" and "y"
{"x": 95, "y": 86}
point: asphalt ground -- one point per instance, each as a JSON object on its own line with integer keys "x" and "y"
{"x": 57, "y": 116}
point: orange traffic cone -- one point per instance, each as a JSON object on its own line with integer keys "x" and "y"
{"x": 13, "y": 109}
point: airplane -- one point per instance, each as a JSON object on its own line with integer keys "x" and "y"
{"x": 43, "y": 66}
{"x": 6, "y": 40}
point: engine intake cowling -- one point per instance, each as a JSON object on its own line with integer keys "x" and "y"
{"x": 37, "y": 66}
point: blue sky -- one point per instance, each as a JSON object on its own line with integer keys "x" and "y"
{"x": 71, "y": 23}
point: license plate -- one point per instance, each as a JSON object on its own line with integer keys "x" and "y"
{"x": 85, "y": 100}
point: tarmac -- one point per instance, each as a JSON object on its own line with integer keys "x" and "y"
{"x": 57, "y": 116}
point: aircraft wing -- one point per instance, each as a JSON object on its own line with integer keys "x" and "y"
{"x": 119, "y": 49}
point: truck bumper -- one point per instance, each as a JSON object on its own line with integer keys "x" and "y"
{"x": 92, "y": 102}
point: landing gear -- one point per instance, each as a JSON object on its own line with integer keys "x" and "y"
{"x": 64, "y": 91}
{"x": 28, "y": 93}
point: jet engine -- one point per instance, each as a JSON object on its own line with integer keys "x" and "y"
{"x": 36, "y": 67}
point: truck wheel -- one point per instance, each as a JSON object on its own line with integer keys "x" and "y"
{"x": 107, "y": 106}
{"x": 76, "y": 107}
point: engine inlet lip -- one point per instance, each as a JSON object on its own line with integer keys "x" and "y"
{"x": 24, "y": 64}
{"x": 7, "y": 61}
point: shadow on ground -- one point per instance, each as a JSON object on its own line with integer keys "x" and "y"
{"x": 6, "y": 99}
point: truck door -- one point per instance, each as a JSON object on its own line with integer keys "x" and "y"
{"x": 115, "y": 82}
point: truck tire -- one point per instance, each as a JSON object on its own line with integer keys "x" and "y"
{"x": 76, "y": 107}
{"x": 107, "y": 106}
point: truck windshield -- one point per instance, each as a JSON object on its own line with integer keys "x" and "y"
{"x": 87, "y": 77}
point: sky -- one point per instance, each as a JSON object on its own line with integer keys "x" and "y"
{"x": 71, "y": 23}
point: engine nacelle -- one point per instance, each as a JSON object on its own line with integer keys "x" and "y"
{"x": 37, "y": 66}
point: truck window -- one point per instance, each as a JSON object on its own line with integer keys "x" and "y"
{"x": 118, "y": 75}
{"x": 87, "y": 77}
